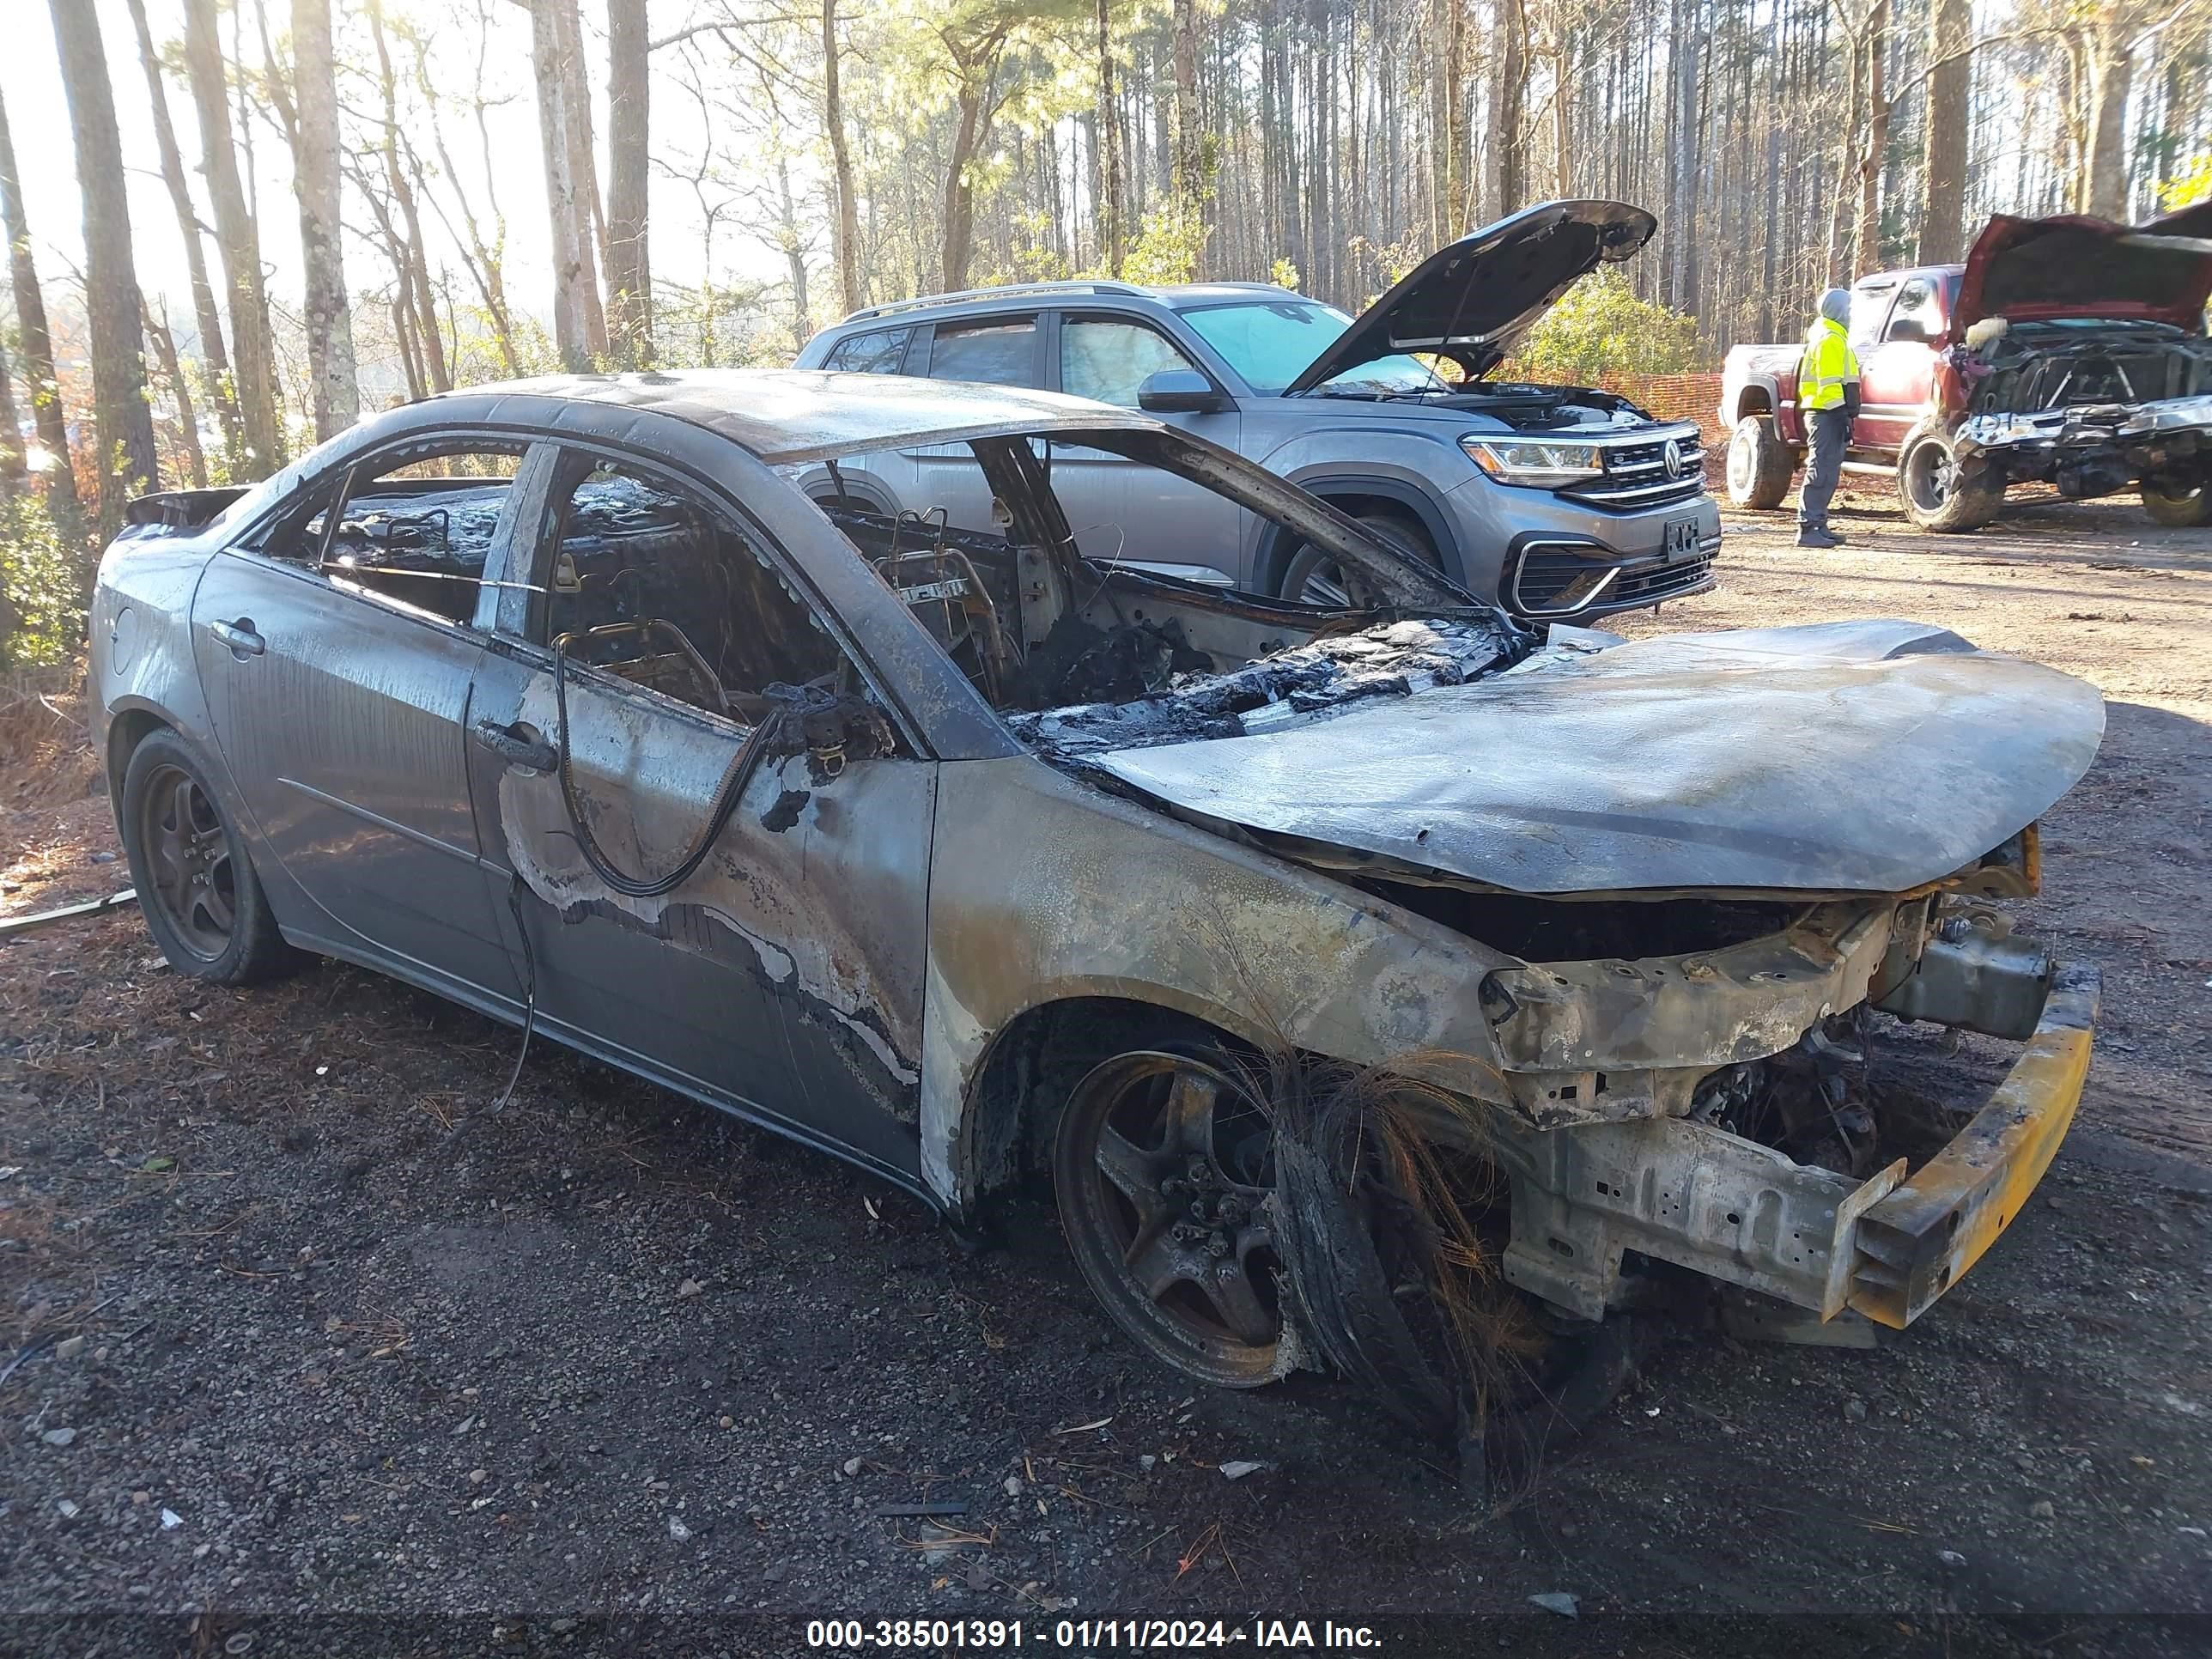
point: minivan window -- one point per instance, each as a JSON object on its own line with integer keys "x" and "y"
{"x": 1270, "y": 341}
{"x": 998, "y": 353}
{"x": 880, "y": 353}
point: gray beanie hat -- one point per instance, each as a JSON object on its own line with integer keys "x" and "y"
{"x": 1835, "y": 305}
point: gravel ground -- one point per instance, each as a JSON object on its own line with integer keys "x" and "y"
{"x": 285, "y": 1346}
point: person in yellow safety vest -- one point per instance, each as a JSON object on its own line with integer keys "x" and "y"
{"x": 1828, "y": 394}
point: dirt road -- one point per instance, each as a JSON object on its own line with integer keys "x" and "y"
{"x": 312, "y": 1353}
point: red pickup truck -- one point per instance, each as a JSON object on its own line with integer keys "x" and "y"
{"x": 2070, "y": 350}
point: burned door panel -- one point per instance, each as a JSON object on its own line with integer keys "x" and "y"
{"x": 726, "y": 889}
{"x": 683, "y": 986}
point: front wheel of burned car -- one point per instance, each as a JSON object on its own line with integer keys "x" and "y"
{"x": 2178, "y": 507}
{"x": 195, "y": 886}
{"x": 1164, "y": 1171}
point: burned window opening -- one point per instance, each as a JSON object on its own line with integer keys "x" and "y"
{"x": 415, "y": 526}
{"x": 653, "y": 585}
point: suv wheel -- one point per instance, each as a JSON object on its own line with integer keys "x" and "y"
{"x": 1939, "y": 492}
{"x": 1314, "y": 578}
{"x": 1760, "y": 464}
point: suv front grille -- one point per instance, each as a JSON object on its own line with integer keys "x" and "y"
{"x": 1636, "y": 474}
{"x": 1553, "y": 578}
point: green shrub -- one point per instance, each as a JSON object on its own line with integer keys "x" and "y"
{"x": 1599, "y": 328}
{"x": 41, "y": 604}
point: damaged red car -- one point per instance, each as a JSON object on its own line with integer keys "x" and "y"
{"x": 2069, "y": 351}
{"x": 1388, "y": 989}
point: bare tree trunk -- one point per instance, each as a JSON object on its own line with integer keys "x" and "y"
{"x": 1866, "y": 242}
{"x": 1839, "y": 219}
{"x": 959, "y": 189}
{"x": 846, "y": 221}
{"x": 1949, "y": 99}
{"x": 629, "y": 267}
{"x": 36, "y": 340}
{"x": 1509, "y": 165}
{"x": 1110, "y": 232}
{"x": 794, "y": 252}
{"x": 181, "y": 392}
{"x": 2111, "y": 78}
{"x": 127, "y": 464}
{"x": 1682, "y": 155}
{"x": 1187, "y": 164}
{"x": 237, "y": 241}
{"x": 409, "y": 248}
{"x": 335, "y": 383}
{"x": 204, "y": 313}
{"x": 575, "y": 283}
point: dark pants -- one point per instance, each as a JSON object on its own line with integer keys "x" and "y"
{"x": 1830, "y": 429}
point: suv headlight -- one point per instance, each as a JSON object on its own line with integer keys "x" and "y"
{"x": 1538, "y": 463}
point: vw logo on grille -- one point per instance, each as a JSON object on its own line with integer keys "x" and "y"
{"x": 1672, "y": 458}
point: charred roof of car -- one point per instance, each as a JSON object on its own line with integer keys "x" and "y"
{"x": 788, "y": 416}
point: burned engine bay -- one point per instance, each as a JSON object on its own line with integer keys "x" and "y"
{"x": 2092, "y": 406}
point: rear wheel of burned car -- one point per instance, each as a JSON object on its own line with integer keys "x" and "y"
{"x": 2177, "y": 506}
{"x": 1164, "y": 1171}
{"x": 196, "y": 886}
{"x": 1942, "y": 491}
{"x": 1760, "y": 465}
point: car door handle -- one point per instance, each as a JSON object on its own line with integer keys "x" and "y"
{"x": 519, "y": 744}
{"x": 239, "y": 636}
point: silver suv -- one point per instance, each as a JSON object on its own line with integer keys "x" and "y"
{"x": 1561, "y": 501}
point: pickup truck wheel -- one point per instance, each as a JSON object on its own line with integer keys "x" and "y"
{"x": 1939, "y": 492}
{"x": 1314, "y": 577}
{"x": 1760, "y": 464}
{"x": 2178, "y": 508}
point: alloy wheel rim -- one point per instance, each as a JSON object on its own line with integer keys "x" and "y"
{"x": 1325, "y": 587}
{"x": 1934, "y": 467}
{"x": 189, "y": 863}
{"x": 1180, "y": 1205}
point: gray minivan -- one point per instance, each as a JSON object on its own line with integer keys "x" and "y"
{"x": 1562, "y": 501}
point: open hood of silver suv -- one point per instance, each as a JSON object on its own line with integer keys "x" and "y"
{"x": 1861, "y": 757}
{"x": 1471, "y": 300}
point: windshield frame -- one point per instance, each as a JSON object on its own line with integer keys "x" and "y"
{"x": 1373, "y": 379}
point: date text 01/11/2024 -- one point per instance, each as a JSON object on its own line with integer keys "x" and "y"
{"x": 1084, "y": 1635}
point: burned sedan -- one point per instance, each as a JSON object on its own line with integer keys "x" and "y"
{"x": 1387, "y": 990}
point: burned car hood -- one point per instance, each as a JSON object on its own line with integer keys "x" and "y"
{"x": 2074, "y": 266}
{"x": 1848, "y": 757}
{"x": 1471, "y": 300}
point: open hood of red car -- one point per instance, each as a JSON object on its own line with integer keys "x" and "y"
{"x": 2072, "y": 266}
